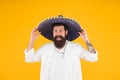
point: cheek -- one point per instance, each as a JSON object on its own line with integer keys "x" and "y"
{"x": 63, "y": 34}
{"x": 53, "y": 35}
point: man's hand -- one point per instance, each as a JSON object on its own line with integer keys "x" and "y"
{"x": 84, "y": 35}
{"x": 34, "y": 35}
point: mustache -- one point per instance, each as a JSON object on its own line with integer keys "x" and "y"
{"x": 57, "y": 37}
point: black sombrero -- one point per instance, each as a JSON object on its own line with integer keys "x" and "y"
{"x": 46, "y": 25}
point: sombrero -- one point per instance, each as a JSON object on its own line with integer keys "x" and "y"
{"x": 73, "y": 27}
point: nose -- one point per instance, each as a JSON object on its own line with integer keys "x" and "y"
{"x": 57, "y": 33}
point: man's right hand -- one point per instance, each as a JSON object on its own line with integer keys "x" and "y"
{"x": 34, "y": 35}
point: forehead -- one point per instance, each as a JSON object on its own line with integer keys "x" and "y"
{"x": 58, "y": 27}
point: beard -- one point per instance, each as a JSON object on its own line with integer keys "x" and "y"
{"x": 59, "y": 43}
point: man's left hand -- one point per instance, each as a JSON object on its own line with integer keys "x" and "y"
{"x": 84, "y": 35}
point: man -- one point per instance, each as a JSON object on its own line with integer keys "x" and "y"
{"x": 60, "y": 59}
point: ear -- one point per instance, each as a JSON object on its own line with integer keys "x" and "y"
{"x": 66, "y": 32}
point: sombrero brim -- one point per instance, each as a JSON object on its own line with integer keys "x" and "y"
{"x": 45, "y": 27}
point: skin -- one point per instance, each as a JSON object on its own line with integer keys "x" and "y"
{"x": 59, "y": 30}
{"x": 84, "y": 36}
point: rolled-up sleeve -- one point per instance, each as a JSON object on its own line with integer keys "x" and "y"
{"x": 32, "y": 56}
{"x": 86, "y": 55}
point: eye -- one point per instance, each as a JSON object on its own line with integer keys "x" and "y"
{"x": 55, "y": 31}
{"x": 61, "y": 31}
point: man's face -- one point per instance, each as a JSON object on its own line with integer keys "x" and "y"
{"x": 59, "y": 31}
{"x": 59, "y": 36}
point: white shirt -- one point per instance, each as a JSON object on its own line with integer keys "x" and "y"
{"x": 61, "y": 64}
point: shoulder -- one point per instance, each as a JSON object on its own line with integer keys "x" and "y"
{"x": 47, "y": 45}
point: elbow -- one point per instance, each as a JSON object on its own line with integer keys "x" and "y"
{"x": 94, "y": 59}
{"x": 28, "y": 61}
{"x": 91, "y": 57}
{"x": 29, "y": 55}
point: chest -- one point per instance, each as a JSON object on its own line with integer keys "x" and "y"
{"x": 66, "y": 57}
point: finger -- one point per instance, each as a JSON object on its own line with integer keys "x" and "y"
{"x": 79, "y": 33}
{"x": 35, "y": 29}
{"x": 83, "y": 31}
{"x": 40, "y": 32}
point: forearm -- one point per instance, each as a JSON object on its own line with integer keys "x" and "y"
{"x": 31, "y": 45}
{"x": 29, "y": 57}
{"x": 90, "y": 47}
{"x": 33, "y": 37}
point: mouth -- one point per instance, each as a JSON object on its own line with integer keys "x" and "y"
{"x": 58, "y": 38}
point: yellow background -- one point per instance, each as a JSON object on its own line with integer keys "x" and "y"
{"x": 101, "y": 19}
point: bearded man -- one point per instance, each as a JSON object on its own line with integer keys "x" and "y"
{"x": 60, "y": 59}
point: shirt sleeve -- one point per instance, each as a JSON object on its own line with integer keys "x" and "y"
{"x": 32, "y": 56}
{"x": 86, "y": 55}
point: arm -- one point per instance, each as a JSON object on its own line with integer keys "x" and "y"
{"x": 84, "y": 36}
{"x": 91, "y": 53}
{"x": 90, "y": 47}
{"x": 34, "y": 36}
{"x": 30, "y": 55}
